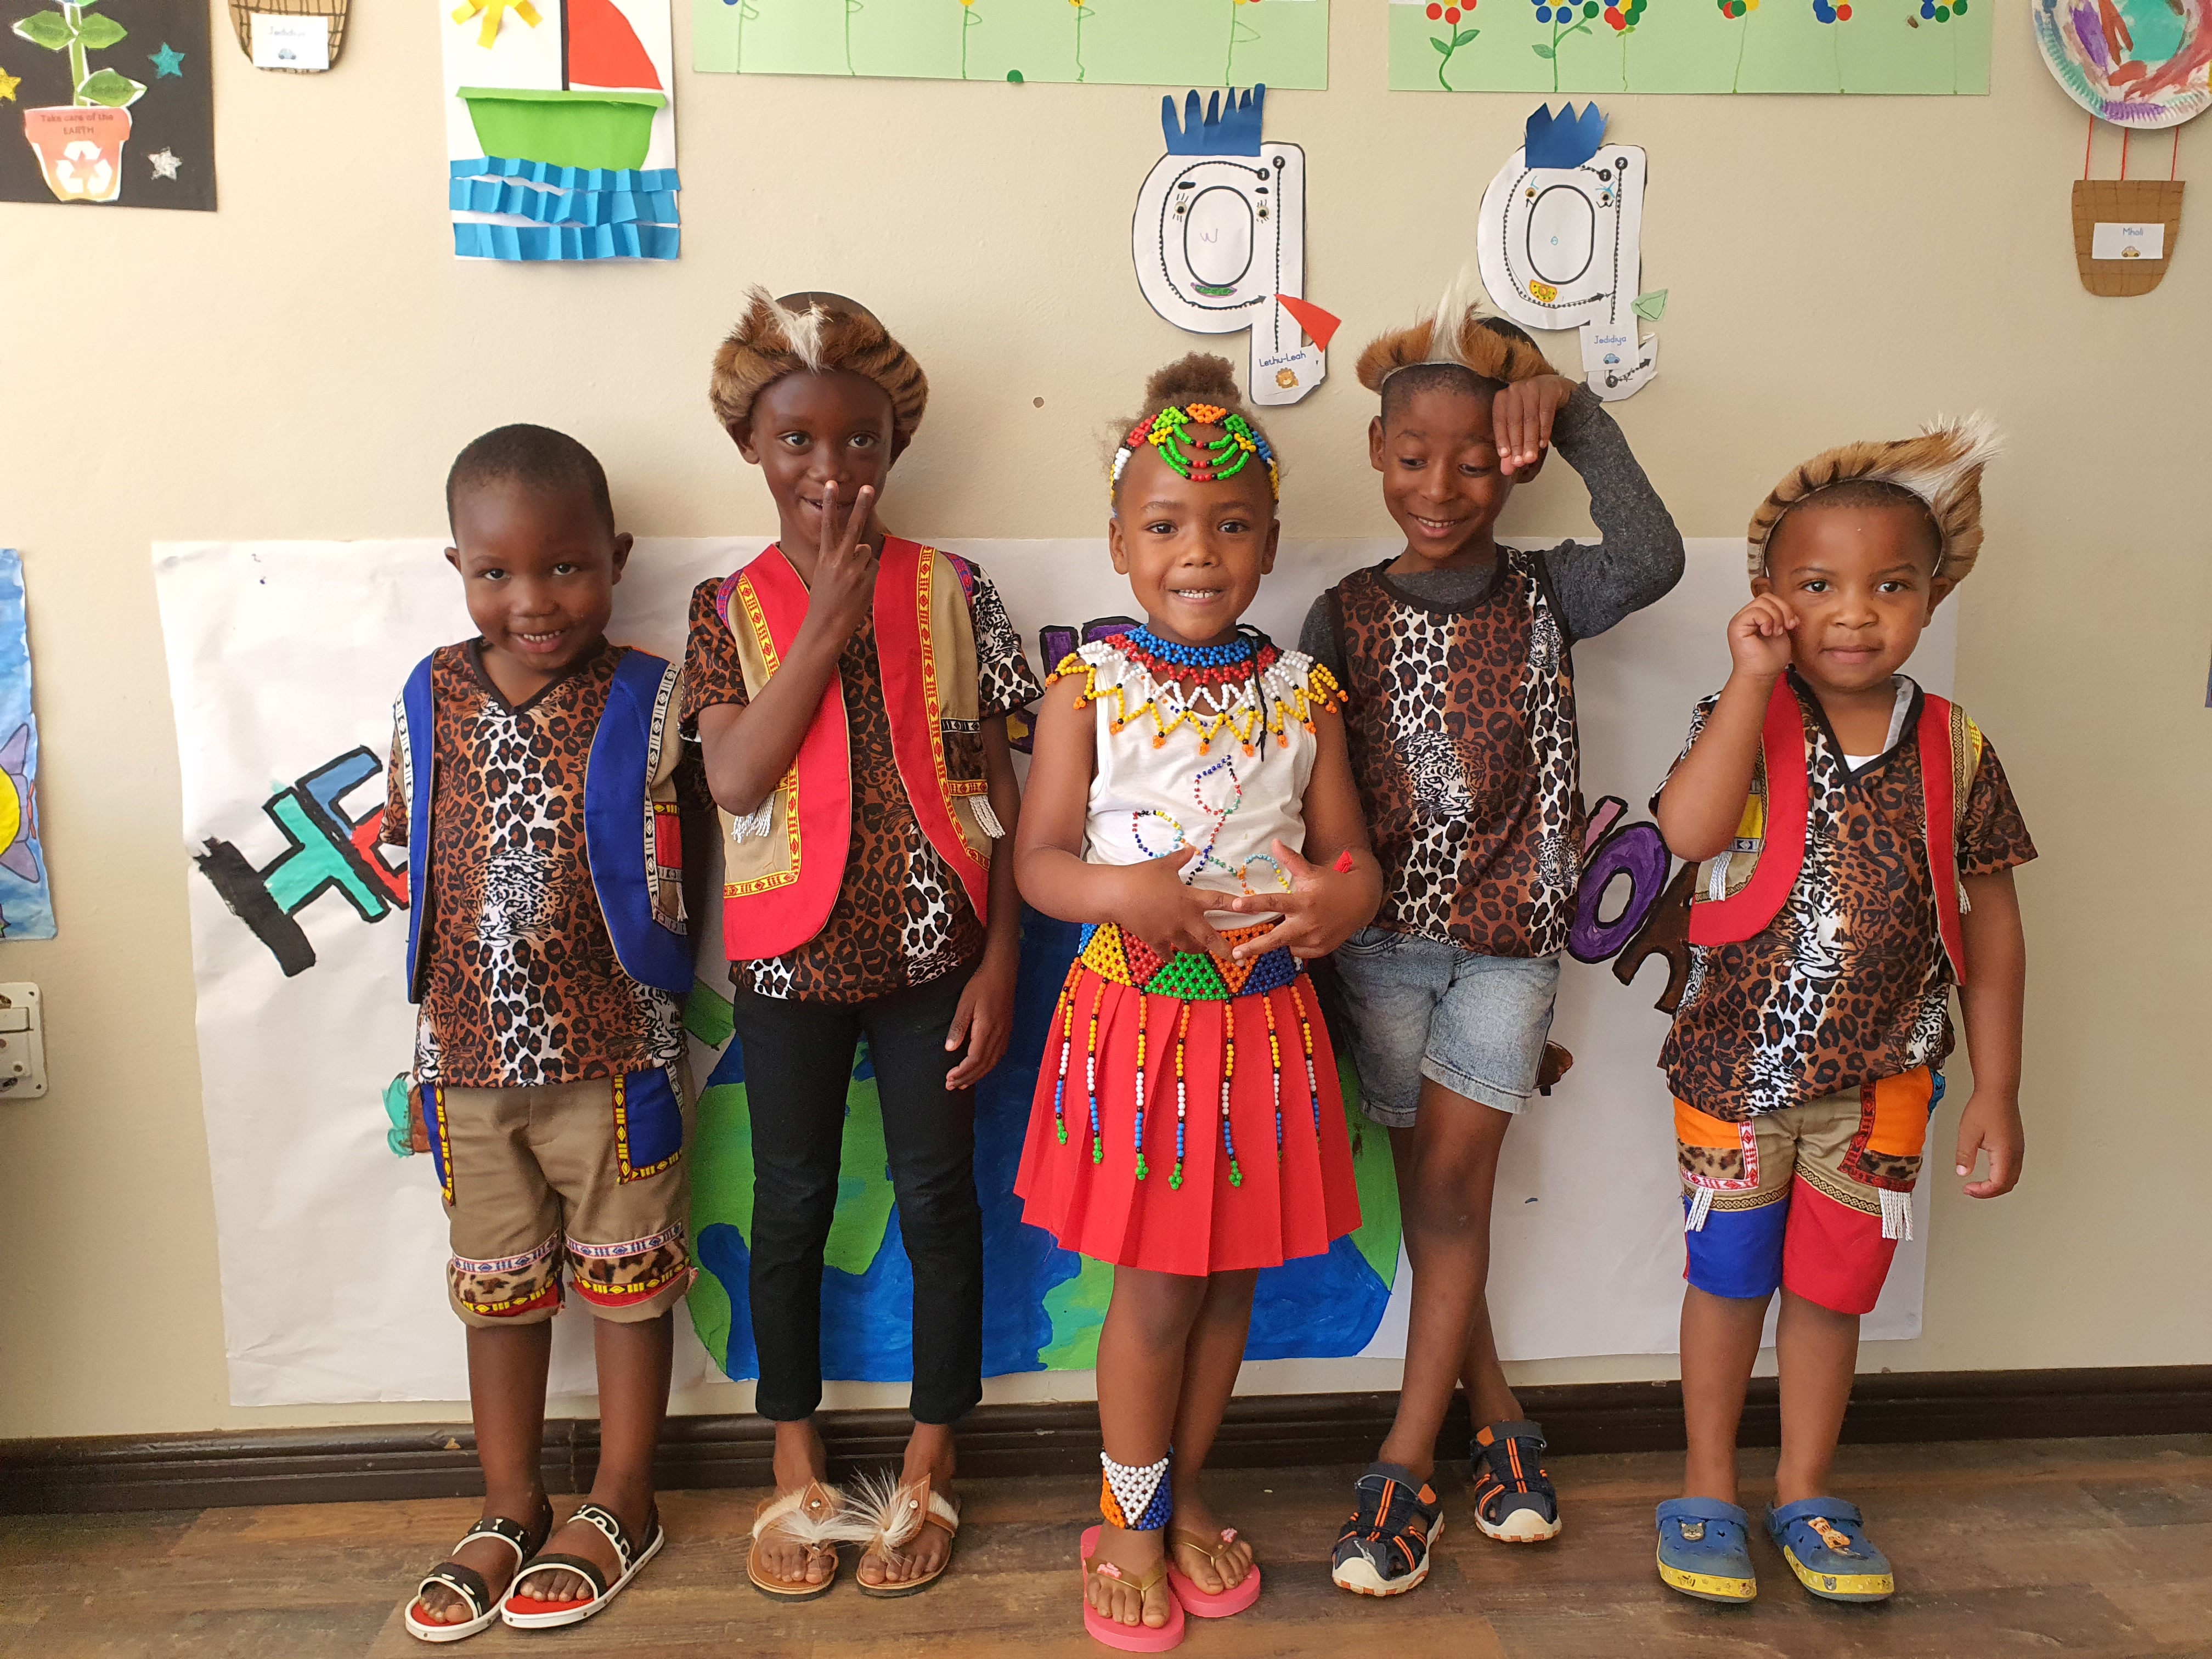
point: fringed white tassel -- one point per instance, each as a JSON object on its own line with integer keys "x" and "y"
{"x": 755, "y": 824}
{"x": 1896, "y": 1214}
{"x": 986, "y": 820}
{"x": 1701, "y": 1205}
{"x": 1716, "y": 876}
{"x": 1966, "y": 904}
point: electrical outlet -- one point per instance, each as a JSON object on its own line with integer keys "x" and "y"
{"x": 23, "y": 1041}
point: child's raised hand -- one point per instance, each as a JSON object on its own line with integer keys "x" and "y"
{"x": 844, "y": 588}
{"x": 1758, "y": 637}
{"x": 1520, "y": 420}
{"x": 1322, "y": 909}
{"x": 1155, "y": 905}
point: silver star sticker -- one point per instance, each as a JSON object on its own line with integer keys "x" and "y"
{"x": 165, "y": 164}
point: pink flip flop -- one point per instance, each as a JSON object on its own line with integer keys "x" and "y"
{"x": 1130, "y": 1638}
{"x": 1210, "y": 1604}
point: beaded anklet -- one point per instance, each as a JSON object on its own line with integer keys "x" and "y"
{"x": 1136, "y": 1498}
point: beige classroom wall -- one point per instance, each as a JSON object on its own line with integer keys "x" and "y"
{"x": 305, "y": 363}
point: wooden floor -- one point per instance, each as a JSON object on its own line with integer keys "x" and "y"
{"x": 2071, "y": 1547}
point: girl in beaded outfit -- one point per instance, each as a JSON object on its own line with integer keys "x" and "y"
{"x": 1190, "y": 802}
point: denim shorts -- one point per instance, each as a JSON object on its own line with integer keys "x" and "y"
{"x": 1422, "y": 1008}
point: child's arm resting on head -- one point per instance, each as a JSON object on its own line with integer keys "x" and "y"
{"x": 1992, "y": 1000}
{"x": 1334, "y": 889}
{"x": 741, "y": 769}
{"x": 1702, "y": 801}
{"x": 984, "y": 1019}
{"x": 1640, "y": 557}
{"x": 1148, "y": 899}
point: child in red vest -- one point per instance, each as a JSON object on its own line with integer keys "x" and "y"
{"x": 1457, "y": 661}
{"x": 534, "y": 782}
{"x": 1861, "y": 839}
{"x": 849, "y": 690}
{"x": 1191, "y": 803}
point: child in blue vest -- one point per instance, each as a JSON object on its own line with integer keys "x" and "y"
{"x": 849, "y": 689}
{"x": 1860, "y": 839}
{"x": 533, "y": 773}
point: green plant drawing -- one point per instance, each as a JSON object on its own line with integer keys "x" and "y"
{"x": 1561, "y": 28}
{"x": 77, "y": 29}
{"x": 1449, "y": 42}
{"x": 1082, "y": 11}
{"x": 969, "y": 20}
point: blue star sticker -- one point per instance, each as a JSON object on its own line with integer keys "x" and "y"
{"x": 167, "y": 61}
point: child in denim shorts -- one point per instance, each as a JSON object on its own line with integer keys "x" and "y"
{"x": 1455, "y": 659}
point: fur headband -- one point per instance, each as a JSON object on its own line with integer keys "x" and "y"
{"x": 1459, "y": 333}
{"x": 818, "y": 334}
{"x": 1942, "y": 467}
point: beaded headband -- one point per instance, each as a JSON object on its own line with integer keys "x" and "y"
{"x": 1200, "y": 462}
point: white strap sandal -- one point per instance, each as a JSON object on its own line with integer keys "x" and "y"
{"x": 545, "y": 1615}
{"x": 814, "y": 1517}
{"x": 469, "y": 1584}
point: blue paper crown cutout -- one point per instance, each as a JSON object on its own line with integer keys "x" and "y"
{"x": 1566, "y": 140}
{"x": 1231, "y": 131}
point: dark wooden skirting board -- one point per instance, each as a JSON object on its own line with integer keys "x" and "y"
{"x": 301, "y": 1466}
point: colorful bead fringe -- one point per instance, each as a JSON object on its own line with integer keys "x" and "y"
{"x": 1136, "y": 1499}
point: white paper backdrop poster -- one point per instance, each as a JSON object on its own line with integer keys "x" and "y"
{"x": 333, "y": 1248}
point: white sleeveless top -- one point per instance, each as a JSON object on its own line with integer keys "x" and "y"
{"x": 1200, "y": 787}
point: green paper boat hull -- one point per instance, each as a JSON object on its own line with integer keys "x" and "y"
{"x": 566, "y": 129}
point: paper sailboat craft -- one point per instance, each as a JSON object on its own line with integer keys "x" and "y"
{"x": 561, "y": 131}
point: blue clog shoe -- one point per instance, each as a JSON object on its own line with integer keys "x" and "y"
{"x": 1705, "y": 1550}
{"x": 1824, "y": 1540}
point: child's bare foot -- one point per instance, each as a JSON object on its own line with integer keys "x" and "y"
{"x": 1135, "y": 1553}
{"x": 632, "y": 1504}
{"x": 929, "y": 1456}
{"x": 1200, "y": 1554}
{"x": 800, "y": 1459}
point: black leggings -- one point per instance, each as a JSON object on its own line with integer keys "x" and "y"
{"x": 798, "y": 1063}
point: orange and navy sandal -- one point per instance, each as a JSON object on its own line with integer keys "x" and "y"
{"x": 469, "y": 1584}
{"x": 1514, "y": 1500}
{"x": 1383, "y": 1549}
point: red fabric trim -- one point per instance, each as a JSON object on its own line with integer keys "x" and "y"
{"x": 1782, "y": 854}
{"x": 761, "y": 925}
{"x": 908, "y": 656}
{"x": 1935, "y": 790}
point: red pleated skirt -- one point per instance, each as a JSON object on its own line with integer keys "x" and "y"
{"x": 1280, "y": 1198}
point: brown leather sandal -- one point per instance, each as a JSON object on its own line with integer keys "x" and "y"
{"x": 890, "y": 1517}
{"x": 813, "y": 1516}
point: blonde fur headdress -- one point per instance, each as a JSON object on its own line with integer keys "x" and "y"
{"x": 818, "y": 334}
{"x": 1459, "y": 334}
{"x": 1942, "y": 467}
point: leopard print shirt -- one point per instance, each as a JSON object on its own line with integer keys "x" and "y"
{"x": 1849, "y": 984}
{"x": 1460, "y": 724}
{"x": 900, "y": 919}
{"x": 524, "y": 988}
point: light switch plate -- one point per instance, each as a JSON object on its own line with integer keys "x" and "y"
{"x": 23, "y": 1041}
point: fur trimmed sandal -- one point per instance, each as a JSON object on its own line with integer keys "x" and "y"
{"x": 815, "y": 1518}
{"x": 890, "y": 1517}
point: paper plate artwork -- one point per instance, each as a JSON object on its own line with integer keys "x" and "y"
{"x": 106, "y": 103}
{"x": 2135, "y": 63}
{"x": 561, "y": 130}
{"x": 1560, "y": 228}
{"x": 1219, "y": 241}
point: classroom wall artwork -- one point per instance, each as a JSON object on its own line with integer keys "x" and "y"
{"x": 561, "y": 130}
{"x": 26, "y": 906}
{"x": 295, "y": 37}
{"x": 332, "y": 1249}
{"x": 1176, "y": 43}
{"x": 2142, "y": 64}
{"x": 1559, "y": 239}
{"x": 1219, "y": 239}
{"x": 1694, "y": 45}
{"x": 106, "y": 103}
